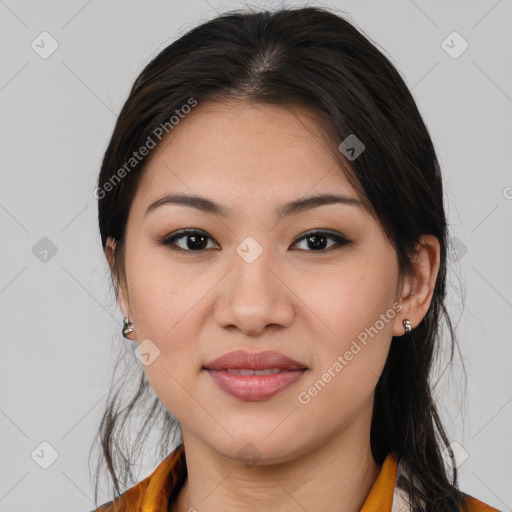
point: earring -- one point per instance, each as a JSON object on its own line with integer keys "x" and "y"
{"x": 127, "y": 327}
{"x": 407, "y": 325}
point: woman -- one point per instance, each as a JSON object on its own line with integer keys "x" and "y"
{"x": 271, "y": 208}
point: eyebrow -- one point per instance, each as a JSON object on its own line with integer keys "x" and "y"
{"x": 292, "y": 208}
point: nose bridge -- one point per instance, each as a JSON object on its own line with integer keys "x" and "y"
{"x": 254, "y": 296}
{"x": 251, "y": 266}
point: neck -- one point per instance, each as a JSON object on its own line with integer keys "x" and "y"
{"x": 335, "y": 476}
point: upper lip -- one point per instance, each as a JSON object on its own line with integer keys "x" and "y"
{"x": 254, "y": 361}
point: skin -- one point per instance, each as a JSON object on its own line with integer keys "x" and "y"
{"x": 307, "y": 303}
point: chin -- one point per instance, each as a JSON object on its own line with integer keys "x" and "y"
{"x": 254, "y": 450}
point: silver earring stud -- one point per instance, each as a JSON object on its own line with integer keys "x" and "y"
{"x": 407, "y": 325}
{"x": 127, "y": 327}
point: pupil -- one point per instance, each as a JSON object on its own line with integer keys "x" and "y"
{"x": 198, "y": 240}
{"x": 318, "y": 244}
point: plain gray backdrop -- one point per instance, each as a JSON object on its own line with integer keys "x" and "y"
{"x": 59, "y": 321}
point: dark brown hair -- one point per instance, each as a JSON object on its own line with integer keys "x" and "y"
{"x": 316, "y": 59}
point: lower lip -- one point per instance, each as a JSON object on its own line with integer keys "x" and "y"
{"x": 253, "y": 388}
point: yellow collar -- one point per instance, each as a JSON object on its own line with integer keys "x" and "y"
{"x": 154, "y": 492}
{"x": 165, "y": 476}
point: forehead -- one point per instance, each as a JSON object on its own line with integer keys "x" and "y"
{"x": 246, "y": 151}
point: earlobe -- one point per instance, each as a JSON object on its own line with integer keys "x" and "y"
{"x": 127, "y": 329}
{"x": 419, "y": 286}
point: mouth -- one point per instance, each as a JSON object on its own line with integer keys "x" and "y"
{"x": 254, "y": 376}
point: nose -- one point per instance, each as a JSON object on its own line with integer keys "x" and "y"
{"x": 254, "y": 296}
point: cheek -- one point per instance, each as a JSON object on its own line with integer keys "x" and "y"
{"x": 355, "y": 306}
{"x": 351, "y": 300}
{"x": 165, "y": 308}
{"x": 348, "y": 362}
{"x": 162, "y": 295}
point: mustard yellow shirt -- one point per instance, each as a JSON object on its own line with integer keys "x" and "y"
{"x": 158, "y": 490}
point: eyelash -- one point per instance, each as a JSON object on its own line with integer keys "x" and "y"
{"x": 170, "y": 240}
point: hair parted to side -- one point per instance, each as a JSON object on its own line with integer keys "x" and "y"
{"x": 316, "y": 59}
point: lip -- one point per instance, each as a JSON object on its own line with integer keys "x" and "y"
{"x": 239, "y": 359}
{"x": 254, "y": 388}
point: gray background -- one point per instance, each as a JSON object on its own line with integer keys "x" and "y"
{"x": 59, "y": 321}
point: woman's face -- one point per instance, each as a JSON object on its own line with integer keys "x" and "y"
{"x": 252, "y": 279}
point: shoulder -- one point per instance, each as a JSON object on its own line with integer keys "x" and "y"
{"x": 128, "y": 501}
{"x": 401, "y": 501}
{"x": 475, "y": 505}
{"x": 155, "y": 490}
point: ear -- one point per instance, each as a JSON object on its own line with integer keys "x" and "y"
{"x": 110, "y": 249}
{"x": 418, "y": 288}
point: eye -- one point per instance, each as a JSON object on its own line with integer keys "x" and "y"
{"x": 197, "y": 240}
{"x": 318, "y": 239}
